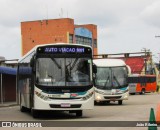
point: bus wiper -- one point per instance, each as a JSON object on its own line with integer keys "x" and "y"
{"x": 74, "y": 63}
{"x": 106, "y": 81}
{"x": 68, "y": 72}
{"x": 69, "y": 68}
{"x": 50, "y": 76}
{"x": 114, "y": 77}
{"x": 59, "y": 67}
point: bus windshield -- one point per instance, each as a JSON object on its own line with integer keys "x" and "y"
{"x": 108, "y": 78}
{"x": 63, "y": 71}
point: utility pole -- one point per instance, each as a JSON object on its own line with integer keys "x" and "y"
{"x": 159, "y": 61}
{"x": 158, "y": 54}
{"x": 145, "y": 59}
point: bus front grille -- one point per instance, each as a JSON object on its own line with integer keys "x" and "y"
{"x": 71, "y": 106}
{"x": 113, "y": 97}
{"x": 64, "y": 98}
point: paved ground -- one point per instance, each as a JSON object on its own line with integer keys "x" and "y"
{"x": 137, "y": 108}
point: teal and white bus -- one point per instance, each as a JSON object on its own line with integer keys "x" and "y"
{"x": 56, "y": 77}
{"x": 110, "y": 81}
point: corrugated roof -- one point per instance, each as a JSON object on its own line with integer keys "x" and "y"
{"x": 136, "y": 64}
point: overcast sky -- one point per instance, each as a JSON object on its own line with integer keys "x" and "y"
{"x": 123, "y": 25}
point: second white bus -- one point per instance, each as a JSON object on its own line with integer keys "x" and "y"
{"x": 110, "y": 81}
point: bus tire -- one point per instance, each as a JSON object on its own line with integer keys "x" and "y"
{"x": 34, "y": 113}
{"x": 107, "y": 102}
{"x": 120, "y": 102}
{"x": 95, "y": 103}
{"x": 23, "y": 109}
{"x": 143, "y": 91}
{"x": 79, "y": 113}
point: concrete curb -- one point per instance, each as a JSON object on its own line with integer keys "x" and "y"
{"x": 8, "y": 105}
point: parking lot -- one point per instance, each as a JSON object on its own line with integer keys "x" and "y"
{"x": 136, "y": 109}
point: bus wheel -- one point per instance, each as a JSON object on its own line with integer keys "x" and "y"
{"x": 142, "y": 91}
{"x": 95, "y": 103}
{"x": 107, "y": 102}
{"x": 120, "y": 102}
{"x": 34, "y": 113}
{"x": 79, "y": 113}
{"x": 23, "y": 109}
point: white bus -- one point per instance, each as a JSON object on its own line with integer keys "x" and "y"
{"x": 110, "y": 81}
{"x": 56, "y": 77}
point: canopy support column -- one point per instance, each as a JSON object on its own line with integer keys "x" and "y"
{"x": 1, "y": 89}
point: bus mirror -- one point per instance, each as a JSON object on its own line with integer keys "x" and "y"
{"x": 32, "y": 64}
{"x": 128, "y": 70}
{"x": 94, "y": 68}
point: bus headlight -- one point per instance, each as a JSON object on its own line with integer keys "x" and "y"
{"x": 98, "y": 98}
{"x": 40, "y": 95}
{"x": 126, "y": 96}
{"x": 88, "y": 96}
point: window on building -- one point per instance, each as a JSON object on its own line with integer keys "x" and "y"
{"x": 70, "y": 38}
{"x": 83, "y": 40}
{"x": 95, "y": 43}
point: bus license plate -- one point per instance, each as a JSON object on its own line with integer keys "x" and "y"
{"x": 65, "y": 105}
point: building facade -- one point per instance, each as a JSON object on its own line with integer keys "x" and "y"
{"x": 55, "y": 31}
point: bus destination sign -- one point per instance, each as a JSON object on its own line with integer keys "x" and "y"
{"x": 61, "y": 50}
{"x": 64, "y": 50}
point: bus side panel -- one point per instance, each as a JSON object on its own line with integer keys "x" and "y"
{"x": 24, "y": 82}
{"x": 151, "y": 87}
{"x": 139, "y": 88}
{"x": 24, "y": 93}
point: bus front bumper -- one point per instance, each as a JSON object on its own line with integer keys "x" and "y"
{"x": 64, "y": 105}
{"x": 100, "y": 97}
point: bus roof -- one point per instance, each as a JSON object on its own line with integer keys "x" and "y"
{"x": 33, "y": 50}
{"x": 109, "y": 62}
